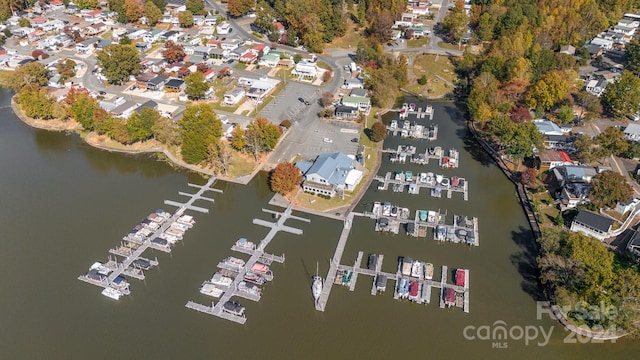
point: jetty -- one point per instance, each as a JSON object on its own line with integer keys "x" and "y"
{"x": 407, "y": 110}
{"x": 257, "y": 256}
{"x": 152, "y": 235}
{"x": 446, "y": 185}
{"x": 407, "y": 129}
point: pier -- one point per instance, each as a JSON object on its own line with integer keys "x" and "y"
{"x": 321, "y": 304}
{"x": 423, "y": 283}
{"x": 407, "y": 129}
{"x": 415, "y": 184}
{"x": 256, "y": 255}
{"x": 138, "y": 246}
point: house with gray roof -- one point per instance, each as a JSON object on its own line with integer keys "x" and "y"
{"x": 330, "y": 174}
{"x": 592, "y": 224}
{"x": 546, "y": 127}
{"x": 634, "y": 243}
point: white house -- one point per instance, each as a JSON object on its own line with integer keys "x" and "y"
{"x": 353, "y": 83}
{"x": 626, "y": 206}
{"x": 592, "y": 224}
{"x": 260, "y": 88}
{"x": 223, "y": 28}
{"x": 361, "y": 103}
{"x": 270, "y": 60}
{"x": 230, "y": 44}
{"x": 87, "y": 46}
{"x": 307, "y": 69}
{"x": 596, "y": 87}
{"x": 330, "y": 174}
{"x": 632, "y": 132}
{"x": 603, "y": 43}
{"x": 234, "y": 96}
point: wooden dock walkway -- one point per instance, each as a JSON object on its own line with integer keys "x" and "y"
{"x": 374, "y": 288}
{"x": 321, "y": 304}
{"x": 354, "y": 278}
{"x": 387, "y": 179}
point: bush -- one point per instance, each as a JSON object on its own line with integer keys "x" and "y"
{"x": 422, "y": 80}
{"x": 285, "y": 123}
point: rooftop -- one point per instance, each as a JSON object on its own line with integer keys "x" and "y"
{"x": 594, "y": 220}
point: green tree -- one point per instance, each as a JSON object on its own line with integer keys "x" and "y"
{"x": 160, "y": 4}
{"x": 612, "y": 142}
{"x": 262, "y": 136}
{"x": 265, "y": 17}
{"x": 285, "y": 178}
{"x": 152, "y": 13}
{"x": 633, "y": 56}
{"x": 140, "y": 124}
{"x": 548, "y": 91}
{"x": 84, "y": 110}
{"x": 118, "y": 62}
{"x": 87, "y": 4}
{"x": 185, "y": 19}
{"x": 36, "y": 103}
{"x": 195, "y": 6}
{"x": 238, "y": 138}
{"x": 32, "y": 75}
{"x": 378, "y": 132}
{"x": 201, "y": 128}
{"x": 166, "y": 131}
{"x": 196, "y": 85}
{"x": 622, "y": 97}
{"x": 609, "y": 188}
{"x": 125, "y": 40}
{"x": 520, "y": 140}
{"x": 24, "y": 22}
{"x": 456, "y": 22}
{"x": 565, "y": 114}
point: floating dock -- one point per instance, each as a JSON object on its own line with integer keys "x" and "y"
{"x": 257, "y": 254}
{"x": 133, "y": 247}
{"x": 406, "y": 129}
{"x": 391, "y": 179}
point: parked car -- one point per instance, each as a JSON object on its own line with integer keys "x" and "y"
{"x": 327, "y": 140}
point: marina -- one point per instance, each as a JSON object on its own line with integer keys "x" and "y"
{"x": 446, "y": 159}
{"x": 411, "y": 109}
{"x": 435, "y": 182}
{"x": 153, "y": 232}
{"x": 247, "y": 275}
{"x": 407, "y": 129}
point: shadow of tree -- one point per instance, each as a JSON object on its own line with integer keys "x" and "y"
{"x": 525, "y": 260}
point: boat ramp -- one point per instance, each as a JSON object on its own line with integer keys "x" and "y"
{"x": 258, "y": 259}
{"x": 436, "y": 183}
{"x": 158, "y": 231}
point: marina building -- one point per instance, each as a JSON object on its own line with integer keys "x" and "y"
{"x": 330, "y": 174}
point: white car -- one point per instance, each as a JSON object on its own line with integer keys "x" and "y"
{"x": 327, "y": 140}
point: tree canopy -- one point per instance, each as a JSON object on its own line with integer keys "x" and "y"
{"x": 201, "y": 128}
{"x": 185, "y": 19}
{"x": 285, "y": 178}
{"x": 118, "y": 62}
{"x": 609, "y": 188}
{"x": 378, "y": 132}
{"x": 173, "y": 52}
{"x": 196, "y": 85}
{"x": 32, "y": 75}
{"x": 152, "y": 13}
{"x": 622, "y": 97}
{"x": 262, "y": 136}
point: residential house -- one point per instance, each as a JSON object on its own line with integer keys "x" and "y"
{"x": 53, "y": 25}
{"x": 234, "y": 96}
{"x": 567, "y": 49}
{"x": 174, "y": 85}
{"x": 634, "y": 243}
{"x": 203, "y": 51}
{"x": 210, "y": 20}
{"x": 216, "y": 53}
{"x": 353, "y": 83}
{"x": 625, "y": 30}
{"x": 137, "y": 34}
{"x": 213, "y": 43}
{"x": 572, "y": 195}
{"x": 143, "y": 79}
{"x": 210, "y": 75}
{"x": 227, "y": 129}
{"x": 632, "y": 132}
{"x": 420, "y": 9}
{"x": 547, "y": 127}
{"x": 260, "y": 88}
{"x": 279, "y": 27}
{"x": 595, "y": 50}
{"x": 260, "y": 49}
{"x": 361, "y": 103}
{"x": 306, "y": 69}
{"x": 419, "y": 31}
{"x": 171, "y": 35}
{"x": 310, "y": 58}
{"x": 603, "y": 43}
{"x": 248, "y": 57}
{"x": 592, "y": 224}
{"x": 236, "y": 53}
{"x": 231, "y": 44}
{"x": 330, "y": 174}
{"x": 87, "y": 46}
{"x": 120, "y": 107}
{"x": 269, "y": 60}
{"x": 147, "y": 104}
{"x": 574, "y": 174}
{"x": 552, "y": 158}
{"x": 396, "y": 35}
{"x": 198, "y": 20}
{"x": 56, "y": 5}
{"x": 223, "y": 28}
{"x": 38, "y": 22}
{"x": 92, "y": 15}
{"x": 346, "y": 112}
{"x": 596, "y": 87}
{"x": 21, "y": 31}
{"x": 36, "y": 35}
{"x": 626, "y": 206}
{"x": 152, "y": 35}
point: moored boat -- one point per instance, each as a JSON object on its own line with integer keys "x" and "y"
{"x": 221, "y": 280}
{"x": 210, "y": 289}
{"x": 260, "y": 268}
{"x": 414, "y": 288}
{"x": 422, "y": 215}
{"x": 255, "y": 278}
{"x": 417, "y": 269}
{"x": 249, "y": 288}
{"x": 428, "y": 271}
{"x": 450, "y": 297}
{"x": 460, "y": 277}
{"x": 234, "y": 308}
{"x": 455, "y": 181}
{"x": 235, "y": 262}
{"x": 445, "y": 182}
{"x": 243, "y": 243}
{"x": 186, "y": 220}
{"x": 439, "y": 178}
{"x": 406, "y": 266}
{"x": 112, "y": 293}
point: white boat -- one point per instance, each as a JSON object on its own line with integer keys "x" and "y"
{"x": 210, "y": 289}
{"x": 243, "y": 243}
{"x": 316, "y": 286}
{"x": 249, "y": 288}
{"x": 430, "y": 179}
{"x": 221, "y": 280}
{"x": 386, "y": 208}
{"x": 423, "y": 178}
{"x": 179, "y": 226}
{"x": 417, "y": 269}
{"x": 439, "y": 178}
{"x": 100, "y": 268}
{"x": 186, "y": 220}
{"x": 172, "y": 239}
{"x": 112, "y": 293}
{"x": 428, "y": 271}
{"x": 445, "y": 182}
{"x": 232, "y": 261}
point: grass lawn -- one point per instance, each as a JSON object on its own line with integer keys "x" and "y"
{"x": 322, "y": 65}
{"x": 435, "y": 69}
{"x": 107, "y": 35}
{"x": 547, "y": 212}
{"x": 241, "y": 164}
{"x": 351, "y": 37}
{"x": 285, "y": 74}
{"x": 419, "y": 42}
{"x": 240, "y": 66}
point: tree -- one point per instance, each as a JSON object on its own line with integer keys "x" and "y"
{"x": 36, "y": 103}
{"x": 285, "y": 123}
{"x": 548, "y": 91}
{"x": 633, "y": 56}
{"x": 125, "y": 40}
{"x": 185, "y": 19}
{"x": 202, "y": 68}
{"x": 422, "y": 80}
{"x": 140, "y": 124}
{"x": 32, "y": 74}
{"x": 612, "y": 142}
{"x": 84, "y": 109}
{"x": 160, "y": 4}
{"x": 381, "y": 24}
{"x": 133, "y": 9}
{"x": 152, "y": 13}
{"x": 378, "y": 132}
{"x": 326, "y": 99}
{"x": 326, "y": 75}
{"x": 239, "y": 7}
{"x": 118, "y": 62}
{"x": 167, "y": 132}
{"x": 456, "y": 21}
{"x": 587, "y": 102}
{"x": 220, "y": 157}
{"x": 609, "y": 188}
{"x": 520, "y": 141}
{"x": 173, "y": 52}
{"x": 520, "y": 115}
{"x": 195, "y": 6}
{"x": 285, "y": 178}
{"x": 24, "y": 22}
{"x": 262, "y": 136}
{"x": 528, "y": 177}
{"x": 565, "y": 114}
{"x": 183, "y": 72}
{"x": 265, "y": 17}
{"x": 196, "y": 85}
{"x": 238, "y": 139}
{"x": 201, "y": 128}
{"x": 622, "y": 97}
{"x": 87, "y": 4}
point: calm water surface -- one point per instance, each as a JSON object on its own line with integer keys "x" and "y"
{"x": 63, "y": 205}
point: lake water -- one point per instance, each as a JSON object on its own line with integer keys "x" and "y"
{"x": 63, "y": 205}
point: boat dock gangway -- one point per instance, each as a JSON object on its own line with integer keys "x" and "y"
{"x": 378, "y": 269}
{"x": 257, "y": 255}
{"x": 125, "y": 267}
{"x": 387, "y": 179}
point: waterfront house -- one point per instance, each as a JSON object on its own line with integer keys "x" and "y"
{"x": 574, "y": 174}
{"x": 552, "y": 158}
{"x": 346, "y": 112}
{"x": 306, "y": 69}
{"x": 360, "y": 102}
{"x": 626, "y": 206}
{"x": 592, "y": 224}
{"x": 632, "y": 132}
{"x": 572, "y": 195}
{"x": 547, "y": 127}
{"x": 558, "y": 142}
{"x": 330, "y": 174}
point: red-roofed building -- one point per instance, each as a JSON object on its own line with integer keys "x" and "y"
{"x": 38, "y": 21}
{"x": 279, "y": 27}
{"x": 214, "y": 43}
{"x": 552, "y": 158}
{"x": 260, "y": 49}
{"x": 248, "y": 57}
{"x": 209, "y": 75}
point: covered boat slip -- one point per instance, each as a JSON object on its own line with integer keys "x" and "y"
{"x": 461, "y": 186}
